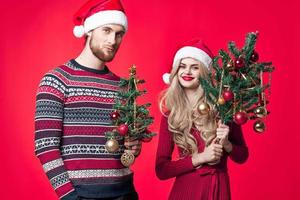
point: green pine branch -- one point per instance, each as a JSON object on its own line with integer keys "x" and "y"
{"x": 245, "y": 82}
{"x": 136, "y": 117}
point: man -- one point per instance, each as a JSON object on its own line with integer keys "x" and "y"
{"x": 73, "y": 107}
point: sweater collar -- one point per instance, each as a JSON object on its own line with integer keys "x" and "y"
{"x": 97, "y": 71}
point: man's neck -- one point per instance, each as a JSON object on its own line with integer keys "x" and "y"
{"x": 88, "y": 59}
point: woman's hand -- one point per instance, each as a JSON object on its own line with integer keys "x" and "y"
{"x": 133, "y": 147}
{"x": 222, "y": 136}
{"x": 211, "y": 154}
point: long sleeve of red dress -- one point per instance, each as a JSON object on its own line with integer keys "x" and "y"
{"x": 166, "y": 168}
{"x": 239, "y": 153}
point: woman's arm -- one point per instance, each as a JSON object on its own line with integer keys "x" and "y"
{"x": 165, "y": 168}
{"x": 239, "y": 150}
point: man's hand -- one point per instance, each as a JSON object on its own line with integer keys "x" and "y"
{"x": 133, "y": 147}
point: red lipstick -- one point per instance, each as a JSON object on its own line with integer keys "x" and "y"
{"x": 187, "y": 78}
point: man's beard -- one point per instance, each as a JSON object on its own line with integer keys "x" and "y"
{"x": 99, "y": 53}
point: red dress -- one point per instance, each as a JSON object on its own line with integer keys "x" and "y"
{"x": 209, "y": 182}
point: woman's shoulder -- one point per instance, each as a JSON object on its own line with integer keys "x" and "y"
{"x": 165, "y": 115}
{"x": 164, "y": 120}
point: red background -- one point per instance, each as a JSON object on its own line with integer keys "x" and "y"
{"x": 36, "y": 35}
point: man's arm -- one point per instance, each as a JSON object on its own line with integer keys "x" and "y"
{"x": 48, "y": 132}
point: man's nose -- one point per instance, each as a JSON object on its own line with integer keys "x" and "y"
{"x": 112, "y": 38}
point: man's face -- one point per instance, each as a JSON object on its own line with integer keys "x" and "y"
{"x": 105, "y": 41}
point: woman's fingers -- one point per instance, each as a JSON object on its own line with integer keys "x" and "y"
{"x": 221, "y": 130}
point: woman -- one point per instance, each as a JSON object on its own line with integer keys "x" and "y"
{"x": 203, "y": 143}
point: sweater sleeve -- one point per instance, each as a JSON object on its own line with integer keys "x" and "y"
{"x": 165, "y": 168}
{"x": 48, "y": 132}
{"x": 239, "y": 153}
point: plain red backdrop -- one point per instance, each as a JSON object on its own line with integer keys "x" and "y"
{"x": 36, "y": 35}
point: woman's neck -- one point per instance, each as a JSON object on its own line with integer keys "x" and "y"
{"x": 194, "y": 95}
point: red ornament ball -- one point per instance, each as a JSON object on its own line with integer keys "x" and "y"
{"x": 114, "y": 115}
{"x": 228, "y": 95}
{"x": 239, "y": 63}
{"x": 123, "y": 129}
{"x": 254, "y": 56}
{"x": 240, "y": 118}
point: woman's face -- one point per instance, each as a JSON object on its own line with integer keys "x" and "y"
{"x": 188, "y": 74}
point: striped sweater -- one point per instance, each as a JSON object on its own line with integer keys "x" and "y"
{"x": 73, "y": 106}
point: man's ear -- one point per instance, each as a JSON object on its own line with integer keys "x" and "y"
{"x": 89, "y": 34}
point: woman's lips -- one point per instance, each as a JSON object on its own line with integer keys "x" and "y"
{"x": 187, "y": 78}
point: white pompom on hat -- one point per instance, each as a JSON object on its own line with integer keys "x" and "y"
{"x": 192, "y": 49}
{"x": 96, "y": 13}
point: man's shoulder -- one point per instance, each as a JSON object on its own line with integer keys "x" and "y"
{"x": 60, "y": 72}
{"x": 114, "y": 76}
{"x": 64, "y": 69}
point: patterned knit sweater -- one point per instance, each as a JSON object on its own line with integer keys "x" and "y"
{"x": 73, "y": 107}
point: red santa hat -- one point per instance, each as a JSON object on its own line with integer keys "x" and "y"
{"x": 96, "y": 13}
{"x": 192, "y": 49}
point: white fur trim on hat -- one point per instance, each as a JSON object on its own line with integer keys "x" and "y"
{"x": 192, "y": 52}
{"x": 78, "y": 31}
{"x": 166, "y": 78}
{"x": 105, "y": 17}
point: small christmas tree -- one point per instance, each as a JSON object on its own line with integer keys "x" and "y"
{"x": 132, "y": 120}
{"x": 236, "y": 88}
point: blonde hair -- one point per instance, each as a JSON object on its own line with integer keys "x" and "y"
{"x": 181, "y": 116}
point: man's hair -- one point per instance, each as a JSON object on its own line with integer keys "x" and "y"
{"x": 85, "y": 39}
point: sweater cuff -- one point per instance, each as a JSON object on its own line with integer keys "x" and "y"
{"x": 71, "y": 196}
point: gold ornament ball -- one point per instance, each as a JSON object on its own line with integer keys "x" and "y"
{"x": 204, "y": 108}
{"x": 127, "y": 159}
{"x": 260, "y": 112}
{"x": 221, "y": 101}
{"x": 112, "y": 145}
{"x": 259, "y": 126}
